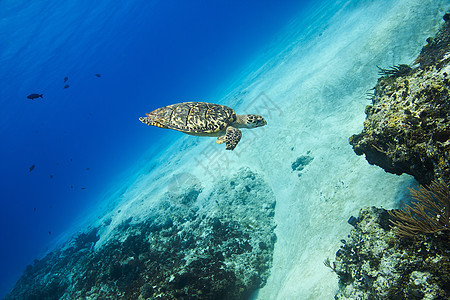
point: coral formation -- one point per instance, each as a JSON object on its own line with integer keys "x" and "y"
{"x": 407, "y": 128}
{"x": 373, "y": 263}
{"x": 301, "y": 162}
{"x": 221, "y": 250}
{"x": 435, "y": 52}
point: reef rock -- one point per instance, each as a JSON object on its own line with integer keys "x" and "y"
{"x": 374, "y": 263}
{"x": 407, "y": 128}
{"x": 220, "y": 248}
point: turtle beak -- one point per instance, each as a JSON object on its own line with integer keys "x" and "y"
{"x": 260, "y": 121}
{"x": 255, "y": 121}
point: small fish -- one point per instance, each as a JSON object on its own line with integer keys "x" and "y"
{"x": 87, "y": 169}
{"x": 66, "y": 78}
{"x": 49, "y": 233}
{"x": 83, "y": 188}
{"x": 51, "y": 176}
{"x": 32, "y": 167}
{"x": 34, "y": 209}
{"x": 66, "y": 86}
{"x": 98, "y": 75}
{"x": 35, "y": 96}
{"x": 71, "y": 160}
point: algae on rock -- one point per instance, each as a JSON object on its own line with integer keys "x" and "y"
{"x": 407, "y": 128}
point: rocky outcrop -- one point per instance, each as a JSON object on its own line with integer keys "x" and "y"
{"x": 373, "y": 263}
{"x": 220, "y": 249}
{"x": 301, "y": 162}
{"x": 407, "y": 128}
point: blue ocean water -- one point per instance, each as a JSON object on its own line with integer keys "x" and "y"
{"x": 61, "y": 153}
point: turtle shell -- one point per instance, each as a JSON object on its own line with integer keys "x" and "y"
{"x": 193, "y": 117}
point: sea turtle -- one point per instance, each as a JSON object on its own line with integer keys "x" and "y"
{"x": 204, "y": 119}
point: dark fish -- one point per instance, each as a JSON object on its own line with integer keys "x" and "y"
{"x": 98, "y": 75}
{"x": 352, "y": 221}
{"x": 70, "y": 160}
{"x": 66, "y": 86}
{"x": 88, "y": 169}
{"x": 66, "y": 78}
{"x": 49, "y": 233}
{"x": 83, "y": 188}
{"x": 32, "y": 167}
{"x": 34, "y": 209}
{"x": 35, "y": 96}
{"x": 51, "y": 176}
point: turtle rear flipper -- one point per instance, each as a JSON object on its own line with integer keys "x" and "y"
{"x": 221, "y": 139}
{"x": 232, "y": 137}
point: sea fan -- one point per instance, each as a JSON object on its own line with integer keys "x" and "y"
{"x": 395, "y": 71}
{"x": 430, "y": 213}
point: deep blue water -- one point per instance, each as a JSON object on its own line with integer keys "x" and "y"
{"x": 82, "y": 140}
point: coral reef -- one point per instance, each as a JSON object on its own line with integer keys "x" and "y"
{"x": 373, "y": 263}
{"x": 407, "y": 128}
{"x": 435, "y": 52}
{"x": 186, "y": 250}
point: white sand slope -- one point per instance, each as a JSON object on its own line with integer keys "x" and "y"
{"x": 313, "y": 94}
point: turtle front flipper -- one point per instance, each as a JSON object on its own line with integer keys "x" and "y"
{"x": 232, "y": 137}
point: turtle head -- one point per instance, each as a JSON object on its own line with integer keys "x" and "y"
{"x": 252, "y": 121}
{"x": 150, "y": 121}
{"x": 144, "y": 120}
